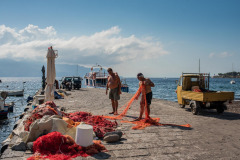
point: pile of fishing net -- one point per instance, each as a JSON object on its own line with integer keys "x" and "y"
{"x": 55, "y": 146}
{"x": 100, "y": 124}
{"x": 47, "y": 108}
{"x": 30, "y": 120}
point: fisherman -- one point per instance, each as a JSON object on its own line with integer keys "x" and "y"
{"x": 114, "y": 84}
{"x": 148, "y": 84}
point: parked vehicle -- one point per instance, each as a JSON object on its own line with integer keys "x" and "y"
{"x": 76, "y": 82}
{"x": 193, "y": 90}
{"x": 66, "y": 83}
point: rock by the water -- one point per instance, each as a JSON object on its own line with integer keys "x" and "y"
{"x": 4, "y": 148}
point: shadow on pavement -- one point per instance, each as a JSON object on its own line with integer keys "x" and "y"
{"x": 213, "y": 113}
{"x": 101, "y": 155}
{"x": 178, "y": 127}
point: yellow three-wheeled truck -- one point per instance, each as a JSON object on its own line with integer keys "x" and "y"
{"x": 193, "y": 90}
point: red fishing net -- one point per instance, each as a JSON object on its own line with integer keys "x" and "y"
{"x": 148, "y": 121}
{"x": 55, "y": 146}
{"x": 30, "y": 120}
{"x": 100, "y": 124}
{"x": 48, "y": 108}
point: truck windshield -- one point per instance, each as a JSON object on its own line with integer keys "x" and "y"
{"x": 194, "y": 79}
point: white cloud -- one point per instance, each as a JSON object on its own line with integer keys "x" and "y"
{"x": 106, "y": 47}
{"x": 224, "y": 54}
{"x": 211, "y": 55}
{"x": 219, "y": 55}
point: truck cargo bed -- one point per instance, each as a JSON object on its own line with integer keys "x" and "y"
{"x": 212, "y": 96}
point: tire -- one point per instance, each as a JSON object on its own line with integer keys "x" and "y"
{"x": 182, "y": 106}
{"x": 221, "y": 108}
{"x": 195, "y": 107}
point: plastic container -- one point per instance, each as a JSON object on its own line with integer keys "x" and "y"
{"x": 84, "y": 135}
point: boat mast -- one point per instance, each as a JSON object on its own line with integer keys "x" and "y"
{"x": 77, "y": 70}
{"x": 199, "y": 66}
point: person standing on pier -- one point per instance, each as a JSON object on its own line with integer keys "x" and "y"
{"x": 148, "y": 84}
{"x": 114, "y": 84}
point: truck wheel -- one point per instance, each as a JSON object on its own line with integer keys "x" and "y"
{"x": 195, "y": 108}
{"x": 182, "y": 106}
{"x": 220, "y": 108}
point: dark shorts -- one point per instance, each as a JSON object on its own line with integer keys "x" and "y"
{"x": 148, "y": 97}
{"x": 113, "y": 94}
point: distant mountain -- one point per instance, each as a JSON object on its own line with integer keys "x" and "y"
{"x": 10, "y": 68}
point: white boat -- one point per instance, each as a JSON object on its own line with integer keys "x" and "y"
{"x": 124, "y": 86}
{"x": 96, "y": 78}
{"x": 16, "y": 93}
{"x": 232, "y": 82}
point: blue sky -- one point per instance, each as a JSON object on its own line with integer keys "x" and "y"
{"x": 161, "y": 38}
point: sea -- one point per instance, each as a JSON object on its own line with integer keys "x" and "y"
{"x": 164, "y": 89}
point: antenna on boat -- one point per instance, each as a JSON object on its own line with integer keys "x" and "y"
{"x": 77, "y": 70}
{"x": 199, "y": 65}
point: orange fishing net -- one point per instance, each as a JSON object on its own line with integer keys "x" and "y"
{"x": 148, "y": 121}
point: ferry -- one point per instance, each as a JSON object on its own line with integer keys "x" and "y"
{"x": 98, "y": 78}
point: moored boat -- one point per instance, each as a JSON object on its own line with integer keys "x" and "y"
{"x": 232, "y": 82}
{"x": 124, "y": 86}
{"x": 3, "y": 109}
{"x": 16, "y": 93}
{"x": 3, "y": 114}
{"x": 96, "y": 78}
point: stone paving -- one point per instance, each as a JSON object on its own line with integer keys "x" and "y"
{"x": 212, "y": 135}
